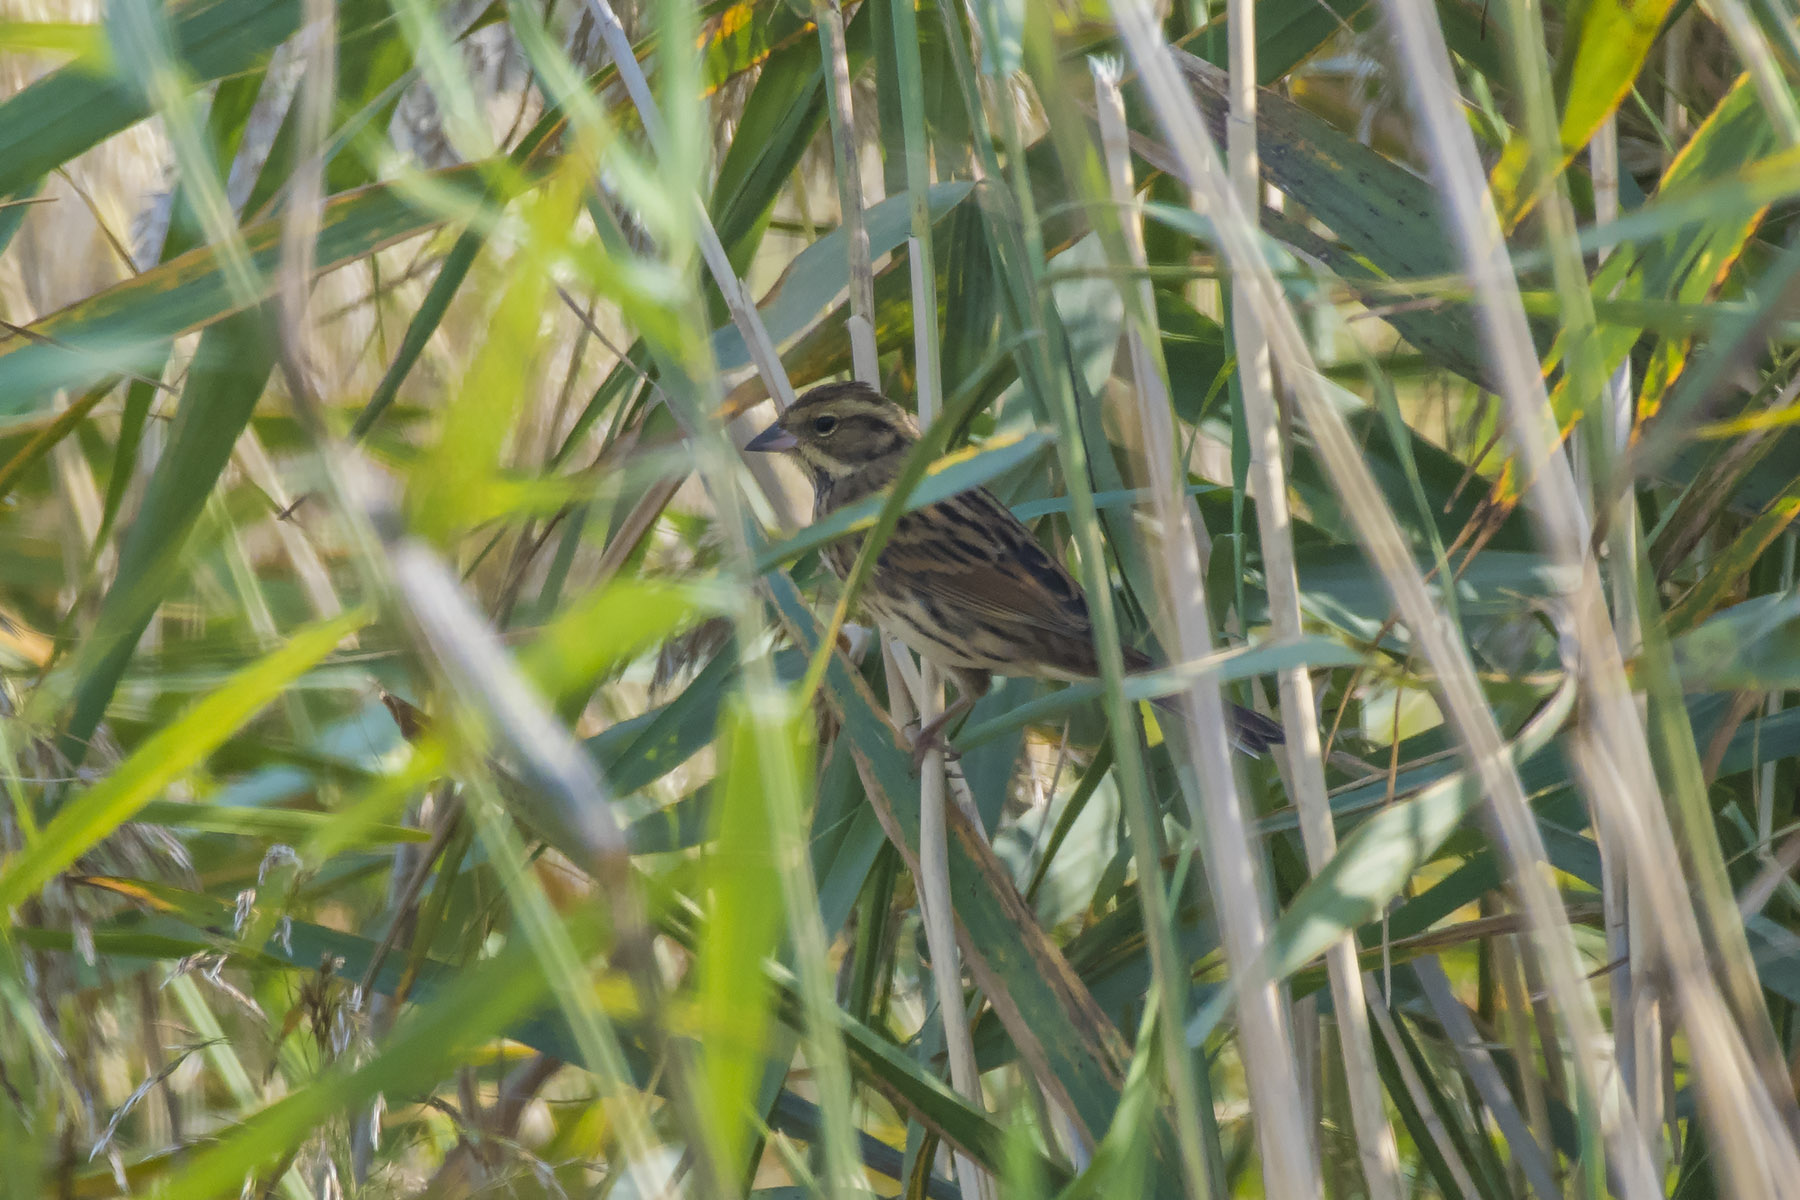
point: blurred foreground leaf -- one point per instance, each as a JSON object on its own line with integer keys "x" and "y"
{"x": 164, "y": 757}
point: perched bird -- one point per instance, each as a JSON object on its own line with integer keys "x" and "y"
{"x": 962, "y": 582}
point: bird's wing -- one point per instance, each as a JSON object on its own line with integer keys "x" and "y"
{"x": 976, "y": 559}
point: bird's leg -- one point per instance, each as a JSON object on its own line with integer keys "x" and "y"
{"x": 931, "y": 736}
{"x": 970, "y": 687}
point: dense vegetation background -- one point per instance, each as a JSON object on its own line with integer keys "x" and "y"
{"x": 421, "y": 778}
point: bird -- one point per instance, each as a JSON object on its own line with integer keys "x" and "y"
{"x": 962, "y": 582}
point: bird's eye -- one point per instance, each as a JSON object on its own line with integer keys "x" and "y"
{"x": 824, "y": 425}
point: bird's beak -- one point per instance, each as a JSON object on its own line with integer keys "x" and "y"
{"x": 773, "y": 438}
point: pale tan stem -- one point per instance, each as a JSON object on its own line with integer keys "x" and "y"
{"x": 1290, "y": 1167}
{"x": 861, "y": 325}
{"x": 1462, "y": 698}
{"x": 1376, "y": 1149}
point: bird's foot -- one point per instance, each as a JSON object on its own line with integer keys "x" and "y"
{"x": 931, "y": 737}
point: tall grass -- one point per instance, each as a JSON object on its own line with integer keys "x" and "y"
{"x": 437, "y": 762}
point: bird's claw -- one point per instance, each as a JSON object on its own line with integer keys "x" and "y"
{"x": 928, "y": 739}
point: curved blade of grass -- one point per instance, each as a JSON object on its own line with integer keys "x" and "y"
{"x": 1603, "y": 50}
{"x": 270, "y": 824}
{"x": 128, "y": 326}
{"x": 1228, "y": 665}
{"x": 76, "y": 108}
{"x": 778, "y": 122}
{"x": 1480, "y": 1070}
{"x": 734, "y": 997}
{"x": 227, "y": 118}
{"x": 1373, "y": 864}
{"x": 1753, "y": 646}
{"x": 1687, "y": 263}
{"x": 169, "y": 753}
{"x": 189, "y": 919}
{"x": 819, "y": 273}
{"x": 424, "y": 322}
{"x": 230, "y": 368}
{"x": 45, "y": 439}
{"x": 452, "y": 273}
{"x": 452, "y": 488}
{"x": 635, "y": 753}
{"x": 475, "y": 1006}
{"x": 1380, "y": 209}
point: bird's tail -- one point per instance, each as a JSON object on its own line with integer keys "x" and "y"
{"x": 1250, "y": 732}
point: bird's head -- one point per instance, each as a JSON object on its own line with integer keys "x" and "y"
{"x": 838, "y": 430}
